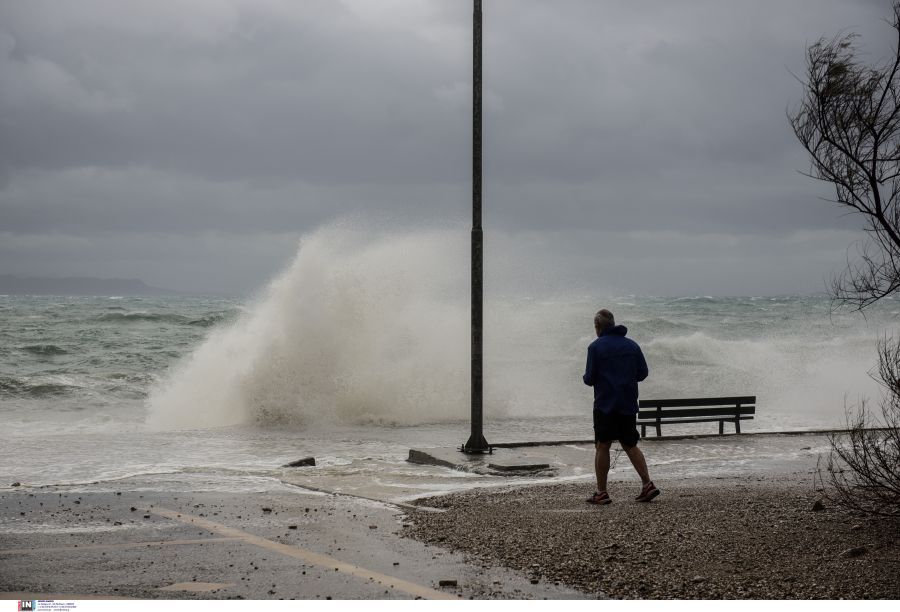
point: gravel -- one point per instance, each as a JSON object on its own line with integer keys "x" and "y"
{"x": 719, "y": 539}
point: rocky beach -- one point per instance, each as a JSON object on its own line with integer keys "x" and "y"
{"x": 719, "y": 538}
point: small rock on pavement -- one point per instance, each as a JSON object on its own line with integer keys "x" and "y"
{"x": 447, "y": 583}
{"x": 854, "y": 552}
{"x": 698, "y": 579}
{"x": 306, "y": 461}
{"x": 818, "y": 506}
{"x": 16, "y": 484}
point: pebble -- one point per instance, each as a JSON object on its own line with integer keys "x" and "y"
{"x": 686, "y": 548}
{"x": 305, "y": 462}
{"x": 856, "y": 551}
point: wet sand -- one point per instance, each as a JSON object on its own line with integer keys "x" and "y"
{"x": 729, "y": 538}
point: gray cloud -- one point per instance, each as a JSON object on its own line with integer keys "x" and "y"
{"x": 224, "y": 123}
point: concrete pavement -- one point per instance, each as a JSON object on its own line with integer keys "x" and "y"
{"x": 278, "y": 544}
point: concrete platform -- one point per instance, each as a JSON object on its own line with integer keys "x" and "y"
{"x": 283, "y": 543}
{"x": 502, "y": 461}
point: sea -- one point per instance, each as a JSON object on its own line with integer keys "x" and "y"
{"x": 357, "y": 359}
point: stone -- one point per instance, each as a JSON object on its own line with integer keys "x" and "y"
{"x": 305, "y": 462}
{"x": 447, "y": 583}
{"x": 524, "y": 467}
{"x": 16, "y": 484}
{"x": 857, "y": 551}
{"x": 818, "y": 506}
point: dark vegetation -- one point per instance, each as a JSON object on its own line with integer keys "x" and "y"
{"x": 849, "y": 123}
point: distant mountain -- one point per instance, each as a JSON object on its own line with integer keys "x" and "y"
{"x": 77, "y": 285}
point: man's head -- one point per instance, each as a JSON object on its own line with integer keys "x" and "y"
{"x": 603, "y": 320}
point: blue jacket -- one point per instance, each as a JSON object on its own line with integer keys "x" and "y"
{"x": 615, "y": 365}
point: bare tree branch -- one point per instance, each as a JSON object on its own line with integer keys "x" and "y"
{"x": 849, "y": 123}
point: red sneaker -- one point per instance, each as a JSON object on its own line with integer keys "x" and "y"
{"x": 647, "y": 493}
{"x": 599, "y": 499}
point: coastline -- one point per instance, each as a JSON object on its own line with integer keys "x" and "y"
{"x": 735, "y": 523}
{"x": 704, "y": 538}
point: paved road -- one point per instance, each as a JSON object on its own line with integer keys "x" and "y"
{"x": 284, "y": 543}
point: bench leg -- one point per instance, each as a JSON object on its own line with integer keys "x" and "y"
{"x": 658, "y": 429}
{"x": 643, "y": 431}
{"x": 721, "y": 428}
{"x": 737, "y": 426}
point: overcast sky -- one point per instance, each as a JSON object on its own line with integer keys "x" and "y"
{"x": 193, "y": 143}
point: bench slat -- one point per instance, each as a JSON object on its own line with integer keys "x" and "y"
{"x": 697, "y": 401}
{"x": 695, "y": 412}
{"x": 727, "y": 419}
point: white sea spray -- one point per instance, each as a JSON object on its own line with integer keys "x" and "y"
{"x": 359, "y": 328}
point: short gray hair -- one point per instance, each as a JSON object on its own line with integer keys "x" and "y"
{"x": 604, "y": 319}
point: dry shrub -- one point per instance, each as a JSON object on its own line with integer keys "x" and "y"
{"x": 863, "y": 467}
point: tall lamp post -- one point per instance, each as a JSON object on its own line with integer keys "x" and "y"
{"x": 476, "y": 442}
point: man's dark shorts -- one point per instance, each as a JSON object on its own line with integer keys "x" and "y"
{"x": 615, "y": 426}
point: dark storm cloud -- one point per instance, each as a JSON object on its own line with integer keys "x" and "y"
{"x": 268, "y": 118}
{"x": 313, "y": 94}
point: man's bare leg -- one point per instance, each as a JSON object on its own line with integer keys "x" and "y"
{"x": 637, "y": 460}
{"x": 601, "y": 465}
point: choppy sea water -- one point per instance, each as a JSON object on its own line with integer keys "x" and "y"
{"x": 83, "y": 383}
{"x": 359, "y": 351}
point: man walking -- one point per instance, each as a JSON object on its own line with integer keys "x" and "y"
{"x": 615, "y": 365}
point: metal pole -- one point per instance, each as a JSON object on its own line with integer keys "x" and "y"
{"x": 476, "y": 443}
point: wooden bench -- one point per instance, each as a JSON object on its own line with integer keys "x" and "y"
{"x": 655, "y": 412}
